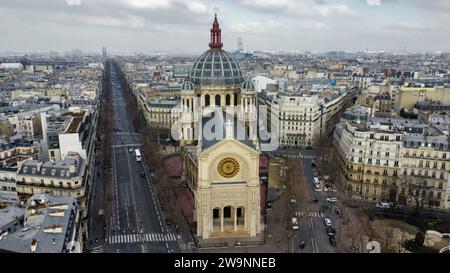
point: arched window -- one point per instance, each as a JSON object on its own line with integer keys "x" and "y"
{"x": 206, "y": 100}
{"x": 217, "y": 100}
{"x": 228, "y": 100}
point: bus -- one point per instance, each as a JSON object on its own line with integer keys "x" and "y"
{"x": 138, "y": 155}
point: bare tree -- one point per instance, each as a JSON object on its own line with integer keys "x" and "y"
{"x": 6, "y": 129}
{"x": 410, "y": 191}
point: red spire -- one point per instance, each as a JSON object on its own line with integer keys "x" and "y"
{"x": 216, "y": 39}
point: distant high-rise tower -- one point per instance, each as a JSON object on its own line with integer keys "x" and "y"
{"x": 240, "y": 45}
{"x": 104, "y": 52}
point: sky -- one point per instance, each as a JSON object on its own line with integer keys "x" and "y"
{"x": 183, "y": 25}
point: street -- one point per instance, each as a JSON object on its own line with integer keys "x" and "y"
{"x": 310, "y": 214}
{"x": 125, "y": 215}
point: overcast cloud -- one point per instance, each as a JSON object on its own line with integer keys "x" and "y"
{"x": 183, "y": 25}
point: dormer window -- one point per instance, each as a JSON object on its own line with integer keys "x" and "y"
{"x": 53, "y": 171}
{"x": 63, "y": 172}
{"x": 44, "y": 170}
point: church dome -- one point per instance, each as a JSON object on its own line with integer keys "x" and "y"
{"x": 247, "y": 85}
{"x": 215, "y": 67}
{"x": 187, "y": 86}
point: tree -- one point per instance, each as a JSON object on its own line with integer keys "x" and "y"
{"x": 6, "y": 129}
{"x": 37, "y": 126}
{"x": 420, "y": 238}
{"x": 410, "y": 191}
{"x": 416, "y": 192}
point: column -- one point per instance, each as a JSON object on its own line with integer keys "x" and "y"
{"x": 246, "y": 219}
{"x": 221, "y": 219}
{"x": 235, "y": 219}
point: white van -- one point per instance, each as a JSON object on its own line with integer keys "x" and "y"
{"x": 294, "y": 223}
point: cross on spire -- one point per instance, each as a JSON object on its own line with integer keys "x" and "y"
{"x": 216, "y": 33}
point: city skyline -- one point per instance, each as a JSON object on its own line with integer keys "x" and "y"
{"x": 182, "y": 26}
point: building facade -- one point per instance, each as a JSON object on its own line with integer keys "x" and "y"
{"x": 222, "y": 171}
{"x": 394, "y": 161}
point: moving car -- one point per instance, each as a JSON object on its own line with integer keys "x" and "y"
{"x": 294, "y": 223}
{"x": 331, "y": 231}
{"x": 327, "y": 222}
{"x": 302, "y": 244}
{"x": 130, "y": 150}
{"x": 332, "y": 240}
{"x": 142, "y": 174}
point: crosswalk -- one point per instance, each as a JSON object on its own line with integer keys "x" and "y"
{"x": 97, "y": 249}
{"x": 300, "y": 156}
{"x": 309, "y": 214}
{"x": 142, "y": 238}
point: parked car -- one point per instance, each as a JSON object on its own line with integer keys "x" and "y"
{"x": 142, "y": 174}
{"x": 383, "y": 205}
{"x": 337, "y": 211}
{"x": 332, "y": 200}
{"x": 332, "y": 240}
{"x": 314, "y": 200}
{"x": 130, "y": 150}
{"x": 327, "y": 221}
{"x": 317, "y": 187}
{"x": 269, "y": 205}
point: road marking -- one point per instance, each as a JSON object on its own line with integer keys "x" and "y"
{"x": 309, "y": 214}
{"x": 148, "y": 237}
{"x": 97, "y": 249}
{"x": 314, "y": 245}
{"x": 126, "y": 145}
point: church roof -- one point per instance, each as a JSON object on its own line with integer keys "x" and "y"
{"x": 214, "y": 129}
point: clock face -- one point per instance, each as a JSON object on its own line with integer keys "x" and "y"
{"x": 228, "y": 167}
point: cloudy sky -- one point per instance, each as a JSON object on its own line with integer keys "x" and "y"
{"x": 183, "y": 25}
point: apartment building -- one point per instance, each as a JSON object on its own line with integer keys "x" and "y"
{"x": 303, "y": 117}
{"x": 427, "y": 159}
{"x": 394, "y": 160}
{"x": 59, "y": 178}
{"x": 370, "y": 156}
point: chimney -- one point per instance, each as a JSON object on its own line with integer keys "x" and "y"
{"x": 33, "y": 245}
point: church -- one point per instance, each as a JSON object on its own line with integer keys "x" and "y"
{"x": 219, "y": 145}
